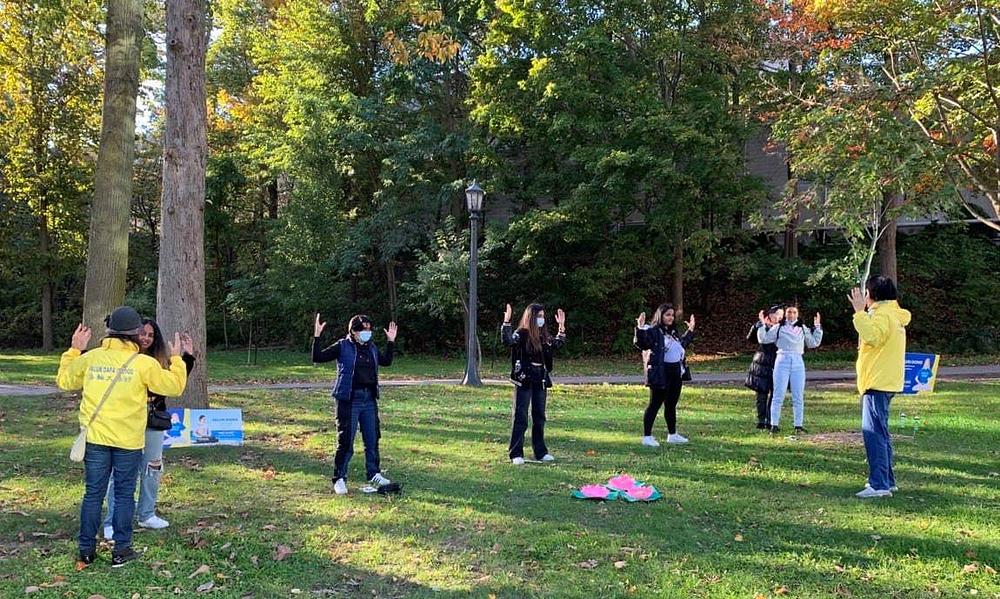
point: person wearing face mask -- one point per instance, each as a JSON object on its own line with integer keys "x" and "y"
{"x": 356, "y": 392}
{"x": 531, "y": 359}
{"x": 664, "y": 356}
{"x": 791, "y": 338}
{"x": 151, "y": 343}
{"x": 759, "y": 377}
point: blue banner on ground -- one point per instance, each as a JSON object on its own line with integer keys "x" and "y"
{"x": 194, "y": 428}
{"x": 920, "y": 373}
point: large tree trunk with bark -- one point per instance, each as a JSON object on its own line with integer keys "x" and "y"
{"x": 110, "y": 211}
{"x": 180, "y": 295}
{"x": 887, "y": 243}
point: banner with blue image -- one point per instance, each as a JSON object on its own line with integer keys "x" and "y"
{"x": 195, "y": 428}
{"x": 919, "y": 373}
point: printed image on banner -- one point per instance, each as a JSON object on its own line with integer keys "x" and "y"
{"x": 178, "y": 435}
{"x": 195, "y": 428}
{"x": 920, "y": 373}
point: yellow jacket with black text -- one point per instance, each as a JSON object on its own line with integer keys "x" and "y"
{"x": 122, "y": 421}
{"x": 881, "y": 346}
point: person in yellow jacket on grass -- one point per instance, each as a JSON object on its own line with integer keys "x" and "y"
{"x": 881, "y": 326}
{"x": 116, "y": 436}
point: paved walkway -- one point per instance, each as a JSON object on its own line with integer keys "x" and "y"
{"x": 955, "y": 373}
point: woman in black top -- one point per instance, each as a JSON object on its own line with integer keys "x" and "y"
{"x": 532, "y": 348}
{"x": 664, "y": 356}
{"x": 759, "y": 377}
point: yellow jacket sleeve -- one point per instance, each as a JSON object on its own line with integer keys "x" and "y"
{"x": 72, "y": 370}
{"x": 873, "y": 329}
{"x": 169, "y": 383}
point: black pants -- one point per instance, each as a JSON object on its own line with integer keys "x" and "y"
{"x": 667, "y": 397}
{"x": 764, "y": 407}
{"x": 529, "y": 393}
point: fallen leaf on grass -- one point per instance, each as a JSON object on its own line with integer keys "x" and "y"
{"x": 839, "y": 568}
{"x": 591, "y": 453}
{"x": 782, "y": 590}
{"x": 281, "y": 552}
{"x": 204, "y": 588}
{"x": 970, "y": 554}
{"x": 31, "y": 589}
{"x": 989, "y": 571}
{"x": 760, "y": 596}
{"x": 96, "y": 597}
{"x": 269, "y": 527}
{"x": 738, "y": 538}
{"x": 136, "y": 596}
{"x": 876, "y": 538}
{"x": 970, "y": 568}
{"x": 254, "y": 559}
{"x": 202, "y": 569}
{"x": 620, "y": 564}
{"x": 590, "y": 564}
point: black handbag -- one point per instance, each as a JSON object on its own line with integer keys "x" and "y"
{"x": 158, "y": 420}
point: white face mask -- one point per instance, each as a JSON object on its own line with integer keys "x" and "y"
{"x": 540, "y": 322}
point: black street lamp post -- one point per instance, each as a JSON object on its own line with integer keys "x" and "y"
{"x": 474, "y": 199}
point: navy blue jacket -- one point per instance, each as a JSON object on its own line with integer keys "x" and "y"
{"x": 344, "y": 351}
{"x": 651, "y": 340}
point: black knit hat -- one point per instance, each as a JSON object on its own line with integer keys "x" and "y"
{"x": 124, "y": 321}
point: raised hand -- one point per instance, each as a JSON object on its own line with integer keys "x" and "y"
{"x": 390, "y": 333}
{"x": 81, "y": 337}
{"x": 187, "y": 344}
{"x": 816, "y": 320}
{"x": 762, "y": 317}
{"x": 690, "y": 323}
{"x": 561, "y": 319}
{"x": 641, "y": 321}
{"x": 857, "y": 299}
{"x": 318, "y": 327}
{"x": 507, "y": 313}
{"x": 175, "y": 347}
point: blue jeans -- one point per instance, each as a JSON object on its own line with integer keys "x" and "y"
{"x": 789, "y": 369}
{"x": 149, "y": 480}
{"x": 361, "y": 410}
{"x": 878, "y": 443}
{"x": 99, "y": 462}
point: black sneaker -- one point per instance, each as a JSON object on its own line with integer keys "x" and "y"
{"x": 799, "y": 430}
{"x": 87, "y": 557}
{"x": 775, "y": 430}
{"x": 120, "y": 558}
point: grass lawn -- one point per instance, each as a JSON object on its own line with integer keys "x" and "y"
{"x": 279, "y": 365}
{"x": 744, "y": 515}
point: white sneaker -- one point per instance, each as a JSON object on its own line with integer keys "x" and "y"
{"x": 893, "y": 488}
{"x": 378, "y": 480}
{"x": 109, "y": 532}
{"x": 650, "y": 441}
{"x": 869, "y": 492}
{"x": 517, "y": 461}
{"x": 548, "y": 458}
{"x": 154, "y": 522}
{"x": 675, "y": 438}
{"x": 340, "y": 487}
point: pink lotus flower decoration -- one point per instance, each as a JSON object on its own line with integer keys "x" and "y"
{"x": 623, "y": 482}
{"x": 594, "y": 491}
{"x": 642, "y": 493}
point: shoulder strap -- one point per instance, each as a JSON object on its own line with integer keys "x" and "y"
{"x": 107, "y": 392}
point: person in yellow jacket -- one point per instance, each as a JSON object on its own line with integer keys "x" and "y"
{"x": 881, "y": 326}
{"x": 116, "y": 436}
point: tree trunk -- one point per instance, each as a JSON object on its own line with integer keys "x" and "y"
{"x": 48, "y": 338}
{"x": 678, "y": 282}
{"x": 887, "y": 243}
{"x": 180, "y": 295}
{"x": 110, "y": 211}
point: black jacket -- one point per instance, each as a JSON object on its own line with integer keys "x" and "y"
{"x": 518, "y": 342}
{"x": 762, "y": 365}
{"x": 651, "y": 340}
{"x": 158, "y": 401}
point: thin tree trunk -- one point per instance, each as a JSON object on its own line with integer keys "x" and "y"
{"x": 44, "y": 242}
{"x": 887, "y": 243}
{"x": 678, "y": 281}
{"x": 110, "y": 211}
{"x": 180, "y": 295}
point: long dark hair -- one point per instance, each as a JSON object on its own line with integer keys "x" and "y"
{"x": 658, "y": 318}
{"x": 536, "y": 335}
{"x": 158, "y": 349}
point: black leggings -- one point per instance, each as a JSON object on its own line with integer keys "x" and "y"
{"x": 666, "y": 397}
{"x": 764, "y": 407}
